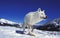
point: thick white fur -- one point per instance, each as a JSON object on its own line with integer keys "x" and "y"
{"x": 32, "y": 18}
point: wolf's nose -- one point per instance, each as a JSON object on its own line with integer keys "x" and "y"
{"x": 45, "y": 17}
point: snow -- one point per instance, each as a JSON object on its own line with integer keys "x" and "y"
{"x": 10, "y": 32}
{"x": 6, "y": 21}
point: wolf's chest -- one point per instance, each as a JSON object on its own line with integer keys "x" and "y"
{"x": 35, "y": 20}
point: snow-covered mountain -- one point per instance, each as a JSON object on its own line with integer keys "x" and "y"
{"x": 56, "y": 22}
{"x": 5, "y": 22}
{"x": 53, "y": 25}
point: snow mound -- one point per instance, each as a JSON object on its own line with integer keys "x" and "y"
{"x": 10, "y": 32}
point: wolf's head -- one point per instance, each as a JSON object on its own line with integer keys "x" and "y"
{"x": 41, "y": 14}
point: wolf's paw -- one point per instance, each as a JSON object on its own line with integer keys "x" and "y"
{"x": 31, "y": 34}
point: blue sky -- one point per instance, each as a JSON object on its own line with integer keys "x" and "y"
{"x": 15, "y": 10}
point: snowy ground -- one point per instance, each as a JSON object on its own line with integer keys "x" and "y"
{"x": 10, "y": 32}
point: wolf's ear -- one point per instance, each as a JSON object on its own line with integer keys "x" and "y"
{"x": 39, "y": 9}
{"x": 43, "y": 10}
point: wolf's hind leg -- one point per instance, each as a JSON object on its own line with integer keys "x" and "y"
{"x": 24, "y": 26}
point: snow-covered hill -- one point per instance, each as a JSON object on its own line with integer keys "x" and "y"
{"x": 10, "y": 32}
{"x": 53, "y": 25}
{"x": 6, "y": 21}
{"x": 56, "y": 22}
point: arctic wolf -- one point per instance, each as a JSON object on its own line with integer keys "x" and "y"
{"x": 32, "y": 18}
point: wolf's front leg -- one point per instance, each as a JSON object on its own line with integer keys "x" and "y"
{"x": 31, "y": 30}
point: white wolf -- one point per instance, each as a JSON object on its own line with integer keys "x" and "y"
{"x": 32, "y": 18}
